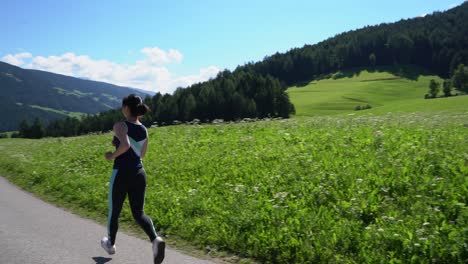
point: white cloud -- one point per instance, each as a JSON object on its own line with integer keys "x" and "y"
{"x": 16, "y": 59}
{"x": 158, "y": 56}
{"x": 148, "y": 73}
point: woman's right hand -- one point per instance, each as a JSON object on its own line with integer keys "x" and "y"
{"x": 108, "y": 156}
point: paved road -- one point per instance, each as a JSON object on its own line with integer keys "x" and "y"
{"x": 35, "y": 232}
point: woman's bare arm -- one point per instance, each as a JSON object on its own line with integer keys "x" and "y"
{"x": 145, "y": 146}
{"x": 120, "y": 130}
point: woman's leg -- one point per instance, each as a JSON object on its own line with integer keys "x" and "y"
{"x": 117, "y": 193}
{"x": 136, "y": 196}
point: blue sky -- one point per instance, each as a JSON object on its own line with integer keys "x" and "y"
{"x": 160, "y": 45}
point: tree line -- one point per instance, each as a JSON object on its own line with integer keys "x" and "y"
{"x": 459, "y": 80}
{"x": 230, "y": 96}
{"x": 437, "y": 42}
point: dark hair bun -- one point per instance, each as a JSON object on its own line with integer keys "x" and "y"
{"x": 134, "y": 102}
{"x": 142, "y": 109}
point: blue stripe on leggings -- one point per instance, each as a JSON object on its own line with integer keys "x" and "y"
{"x": 111, "y": 187}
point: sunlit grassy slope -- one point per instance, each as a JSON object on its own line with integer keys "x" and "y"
{"x": 383, "y": 90}
{"x": 341, "y": 189}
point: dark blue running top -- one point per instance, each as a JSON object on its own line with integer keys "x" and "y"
{"x": 132, "y": 157}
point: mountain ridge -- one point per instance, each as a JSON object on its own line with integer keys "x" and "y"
{"x": 27, "y": 94}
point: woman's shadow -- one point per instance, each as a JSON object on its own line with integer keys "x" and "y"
{"x": 101, "y": 260}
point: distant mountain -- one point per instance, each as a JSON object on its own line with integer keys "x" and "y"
{"x": 27, "y": 94}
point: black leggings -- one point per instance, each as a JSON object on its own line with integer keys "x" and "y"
{"x": 133, "y": 183}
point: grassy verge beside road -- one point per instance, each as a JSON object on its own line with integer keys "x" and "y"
{"x": 324, "y": 189}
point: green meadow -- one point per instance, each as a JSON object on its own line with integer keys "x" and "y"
{"x": 333, "y": 185}
{"x": 383, "y": 90}
{"x": 62, "y": 112}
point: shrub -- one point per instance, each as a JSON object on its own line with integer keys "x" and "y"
{"x": 364, "y": 107}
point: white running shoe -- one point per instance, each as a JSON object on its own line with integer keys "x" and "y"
{"x": 158, "y": 250}
{"x": 106, "y": 245}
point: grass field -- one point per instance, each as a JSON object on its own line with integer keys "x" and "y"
{"x": 384, "y": 91}
{"x": 344, "y": 189}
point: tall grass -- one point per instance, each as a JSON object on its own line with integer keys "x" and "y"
{"x": 365, "y": 189}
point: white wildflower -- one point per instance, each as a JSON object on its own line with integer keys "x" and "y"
{"x": 281, "y": 195}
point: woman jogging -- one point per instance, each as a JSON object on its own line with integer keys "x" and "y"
{"x": 128, "y": 175}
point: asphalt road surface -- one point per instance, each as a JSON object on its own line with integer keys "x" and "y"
{"x": 35, "y": 232}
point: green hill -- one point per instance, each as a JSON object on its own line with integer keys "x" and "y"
{"x": 27, "y": 94}
{"x": 437, "y": 42}
{"x": 385, "y": 90}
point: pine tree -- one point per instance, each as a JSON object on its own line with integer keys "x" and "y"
{"x": 434, "y": 88}
{"x": 37, "y": 129}
{"x": 460, "y": 78}
{"x": 372, "y": 59}
{"x": 447, "y": 88}
{"x": 24, "y": 129}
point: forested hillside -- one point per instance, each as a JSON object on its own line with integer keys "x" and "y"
{"x": 437, "y": 42}
{"x": 29, "y": 94}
